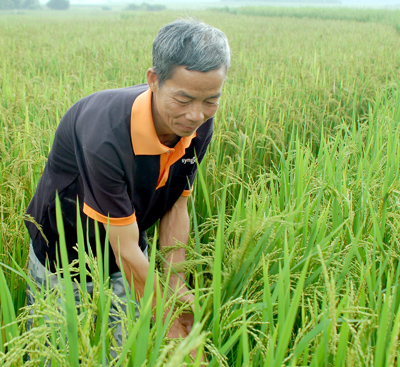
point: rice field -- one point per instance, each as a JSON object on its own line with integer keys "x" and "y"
{"x": 295, "y": 244}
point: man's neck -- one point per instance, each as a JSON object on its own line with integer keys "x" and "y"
{"x": 169, "y": 140}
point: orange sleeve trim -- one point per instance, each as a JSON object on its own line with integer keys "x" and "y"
{"x": 103, "y": 219}
{"x": 187, "y": 193}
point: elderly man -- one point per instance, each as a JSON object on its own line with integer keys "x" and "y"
{"x": 129, "y": 156}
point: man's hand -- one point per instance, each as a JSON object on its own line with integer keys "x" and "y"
{"x": 187, "y": 320}
{"x": 177, "y": 330}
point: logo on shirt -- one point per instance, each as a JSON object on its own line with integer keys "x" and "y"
{"x": 189, "y": 160}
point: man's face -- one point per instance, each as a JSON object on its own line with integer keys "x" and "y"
{"x": 185, "y": 101}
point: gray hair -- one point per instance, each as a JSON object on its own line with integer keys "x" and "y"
{"x": 190, "y": 43}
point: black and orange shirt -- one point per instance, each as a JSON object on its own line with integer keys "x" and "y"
{"x": 106, "y": 154}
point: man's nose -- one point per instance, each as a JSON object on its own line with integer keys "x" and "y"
{"x": 195, "y": 113}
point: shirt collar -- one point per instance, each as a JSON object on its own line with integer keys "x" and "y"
{"x": 143, "y": 133}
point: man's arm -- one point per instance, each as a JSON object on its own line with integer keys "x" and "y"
{"x": 174, "y": 226}
{"x": 124, "y": 241}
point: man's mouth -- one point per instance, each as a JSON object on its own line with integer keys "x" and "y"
{"x": 187, "y": 127}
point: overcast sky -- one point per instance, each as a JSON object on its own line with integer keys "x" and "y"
{"x": 371, "y": 2}
{"x": 355, "y": 3}
{"x": 344, "y": 2}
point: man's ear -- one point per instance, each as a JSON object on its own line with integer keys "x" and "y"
{"x": 152, "y": 80}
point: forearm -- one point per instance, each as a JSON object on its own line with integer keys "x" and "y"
{"x": 125, "y": 244}
{"x": 174, "y": 228}
{"x": 135, "y": 271}
{"x": 130, "y": 258}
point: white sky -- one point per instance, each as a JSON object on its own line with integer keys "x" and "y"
{"x": 371, "y": 2}
{"x": 197, "y": 3}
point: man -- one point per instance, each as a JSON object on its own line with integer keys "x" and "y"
{"x": 129, "y": 156}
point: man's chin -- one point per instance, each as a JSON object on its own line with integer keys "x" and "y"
{"x": 185, "y": 134}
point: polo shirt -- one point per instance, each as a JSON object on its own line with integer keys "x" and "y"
{"x": 107, "y": 159}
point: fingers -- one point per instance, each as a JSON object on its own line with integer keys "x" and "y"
{"x": 181, "y": 328}
{"x": 187, "y": 320}
{"x": 177, "y": 330}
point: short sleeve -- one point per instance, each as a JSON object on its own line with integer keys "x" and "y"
{"x": 188, "y": 192}
{"x": 102, "y": 145}
{"x": 105, "y": 189}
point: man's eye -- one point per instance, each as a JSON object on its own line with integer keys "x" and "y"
{"x": 213, "y": 103}
{"x": 182, "y": 102}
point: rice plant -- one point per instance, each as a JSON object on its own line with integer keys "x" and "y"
{"x": 294, "y": 250}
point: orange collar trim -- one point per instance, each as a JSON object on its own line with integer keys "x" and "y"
{"x": 143, "y": 133}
